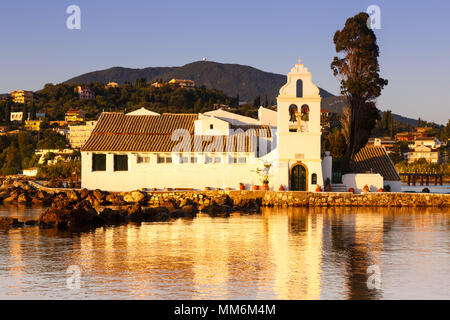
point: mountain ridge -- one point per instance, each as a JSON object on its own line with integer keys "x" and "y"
{"x": 231, "y": 78}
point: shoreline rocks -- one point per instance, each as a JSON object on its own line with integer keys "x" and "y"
{"x": 91, "y": 208}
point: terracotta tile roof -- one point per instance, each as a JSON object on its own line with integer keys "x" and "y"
{"x": 260, "y": 130}
{"x": 239, "y": 142}
{"x": 374, "y": 159}
{"x": 149, "y": 133}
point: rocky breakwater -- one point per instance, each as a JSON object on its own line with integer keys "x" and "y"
{"x": 80, "y": 209}
{"x": 16, "y": 191}
{"x": 72, "y": 209}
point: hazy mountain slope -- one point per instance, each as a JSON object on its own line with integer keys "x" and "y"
{"x": 232, "y": 79}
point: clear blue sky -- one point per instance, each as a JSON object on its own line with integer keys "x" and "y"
{"x": 37, "y": 48}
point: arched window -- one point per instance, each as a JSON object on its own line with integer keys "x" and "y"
{"x": 293, "y": 109}
{"x": 305, "y": 112}
{"x": 299, "y": 89}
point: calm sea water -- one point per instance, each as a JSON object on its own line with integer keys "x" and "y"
{"x": 281, "y": 254}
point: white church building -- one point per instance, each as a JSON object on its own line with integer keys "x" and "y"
{"x": 217, "y": 149}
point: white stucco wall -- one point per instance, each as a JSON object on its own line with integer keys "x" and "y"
{"x": 396, "y": 186}
{"x": 327, "y": 167}
{"x": 267, "y": 117}
{"x": 175, "y": 175}
{"x": 204, "y": 123}
{"x": 357, "y": 181}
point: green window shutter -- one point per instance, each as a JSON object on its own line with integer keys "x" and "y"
{"x": 98, "y": 162}
{"x": 120, "y": 162}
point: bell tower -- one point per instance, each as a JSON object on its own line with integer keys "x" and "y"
{"x": 299, "y": 130}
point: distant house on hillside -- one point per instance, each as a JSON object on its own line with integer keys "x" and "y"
{"x": 84, "y": 93}
{"x": 16, "y": 116}
{"x": 426, "y": 141}
{"x": 33, "y": 125}
{"x": 426, "y": 152}
{"x": 186, "y": 84}
{"x": 387, "y": 143}
{"x": 157, "y": 84}
{"x": 112, "y": 85}
{"x": 75, "y": 116}
{"x": 79, "y": 134}
{"x": 408, "y": 136}
{"x": 22, "y": 96}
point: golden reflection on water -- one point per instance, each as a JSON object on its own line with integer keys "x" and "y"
{"x": 281, "y": 254}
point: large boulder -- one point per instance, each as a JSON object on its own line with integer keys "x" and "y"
{"x": 137, "y": 213}
{"x": 64, "y": 214}
{"x": 215, "y": 210}
{"x": 157, "y": 214}
{"x": 223, "y": 200}
{"x": 134, "y": 197}
{"x": 7, "y": 184}
{"x": 110, "y": 216}
{"x": 185, "y": 212}
{"x": 186, "y": 202}
{"x": 115, "y": 199}
{"x": 98, "y": 194}
{"x": 83, "y": 194}
{"x": 11, "y": 198}
{"x": 72, "y": 195}
{"x": 23, "y": 198}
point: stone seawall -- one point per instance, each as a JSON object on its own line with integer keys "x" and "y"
{"x": 305, "y": 199}
{"x": 25, "y": 193}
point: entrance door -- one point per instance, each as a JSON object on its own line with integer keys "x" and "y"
{"x": 298, "y": 178}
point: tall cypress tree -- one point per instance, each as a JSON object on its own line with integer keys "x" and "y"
{"x": 358, "y": 71}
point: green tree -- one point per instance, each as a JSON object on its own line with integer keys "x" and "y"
{"x": 33, "y": 111}
{"x": 257, "y": 102}
{"x": 358, "y": 71}
{"x": 335, "y": 143}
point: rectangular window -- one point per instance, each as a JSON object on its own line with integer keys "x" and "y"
{"x": 164, "y": 158}
{"x": 233, "y": 159}
{"x": 208, "y": 159}
{"x": 242, "y": 160}
{"x": 217, "y": 159}
{"x": 183, "y": 159}
{"x": 120, "y": 162}
{"x": 141, "y": 159}
{"x": 98, "y": 162}
{"x": 193, "y": 159}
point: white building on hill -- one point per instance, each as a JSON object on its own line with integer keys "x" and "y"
{"x": 217, "y": 149}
